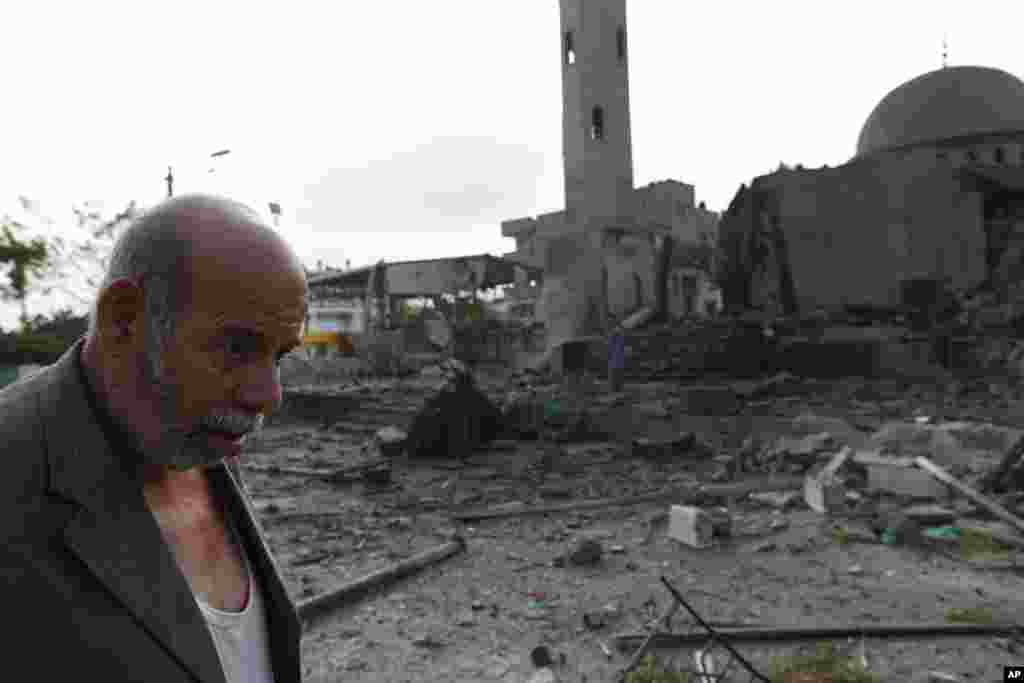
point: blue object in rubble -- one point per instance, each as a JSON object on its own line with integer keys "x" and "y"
{"x": 617, "y": 350}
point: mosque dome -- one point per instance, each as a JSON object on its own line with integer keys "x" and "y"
{"x": 948, "y": 103}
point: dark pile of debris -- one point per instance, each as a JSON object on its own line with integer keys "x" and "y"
{"x": 456, "y": 418}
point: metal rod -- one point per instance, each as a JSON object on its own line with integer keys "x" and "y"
{"x": 747, "y": 665}
{"x": 642, "y": 650}
{"x": 966, "y": 491}
{"x": 786, "y": 634}
{"x": 684, "y": 495}
{"x": 348, "y": 592}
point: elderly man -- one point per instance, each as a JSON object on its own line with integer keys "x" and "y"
{"x": 129, "y": 550}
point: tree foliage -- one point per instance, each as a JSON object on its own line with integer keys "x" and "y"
{"x": 27, "y": 258}
{"x": 78, "y": 262}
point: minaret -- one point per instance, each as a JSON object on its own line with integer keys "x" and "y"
{"x": 596, "y": 144}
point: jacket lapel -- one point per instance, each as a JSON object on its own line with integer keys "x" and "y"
{"x": 283, "y": 624}
{"x": 112, "y": 531}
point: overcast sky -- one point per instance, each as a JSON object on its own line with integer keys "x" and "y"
{"x": 403, "y": 129}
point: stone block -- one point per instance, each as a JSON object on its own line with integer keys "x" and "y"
{"x": 690, "y": 525}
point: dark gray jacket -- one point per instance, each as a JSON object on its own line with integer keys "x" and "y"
{"x": 88, "y": 588}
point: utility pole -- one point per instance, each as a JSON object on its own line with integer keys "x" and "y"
{"x": 169, "y": 179}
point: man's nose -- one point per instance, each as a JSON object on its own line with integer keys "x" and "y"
{"x": 261, "y": 391}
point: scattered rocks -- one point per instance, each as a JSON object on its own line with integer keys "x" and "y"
{"x": 428, "y": 641}
{"x": 541, "y": 656}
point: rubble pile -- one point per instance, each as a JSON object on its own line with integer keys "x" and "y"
{"x": 786, "y": 496}
{"x": 695, "y": 348}
{"x": 455, "y": 419}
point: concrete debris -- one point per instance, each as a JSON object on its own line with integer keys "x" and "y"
{"x": 899, "y": 477}
{"x": 390, "y": 440}
{"x": 598, "y": 619}
{"x": 782, "y": 500}
{"x": 687, "y": 444}
{"x": 690, "y": 525}
{"x": 544, "y": 675}
{"x": 913, "y": 439}
{"x": 586, "y": 552}
{"x": 824, "y": 491}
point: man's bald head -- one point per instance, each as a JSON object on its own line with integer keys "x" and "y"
{"x": 156, "y": 249}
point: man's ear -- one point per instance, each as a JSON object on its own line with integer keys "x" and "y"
{"x": 119, "y": 316}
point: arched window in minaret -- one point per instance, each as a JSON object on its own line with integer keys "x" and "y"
{"x": 570, "y": 51}
{"x": 1000, "y": 156}
{"x": 620, "y": 43}
{"x": 597, "y": 124}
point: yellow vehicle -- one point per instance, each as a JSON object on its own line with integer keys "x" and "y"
{"x": 321, "y": 341}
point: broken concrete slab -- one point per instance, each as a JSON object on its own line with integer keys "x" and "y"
{"x": 824, "y": 492}
{"x": 913, "y": 439}
{"x": 902, "y": 480}
{"x": 690, "y": 525}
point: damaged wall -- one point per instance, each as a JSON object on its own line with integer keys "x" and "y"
{"x": 630, "y": 262}
{"x": 853, "y": 233}
{"x": 572, "y": 296}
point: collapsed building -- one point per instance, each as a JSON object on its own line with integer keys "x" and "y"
{"x": 932, "y": 200}
{"x": 347, "y": 307}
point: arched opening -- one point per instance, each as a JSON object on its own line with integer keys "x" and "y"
{"x": 972, "y": 156}
{"x": 570, "y": 51}
{"x": 638, "y": 290}
{"x": 597, "y": 124}
{"x": 620, "y": 43}
{"x": 1000, "y": 155}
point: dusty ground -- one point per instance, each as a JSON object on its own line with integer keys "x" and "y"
{"x": 470, "y": 618}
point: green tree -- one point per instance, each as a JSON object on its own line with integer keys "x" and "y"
{"x": 26, "y": 258}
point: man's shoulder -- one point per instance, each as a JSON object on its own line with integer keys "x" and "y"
{"x": 20, "y": 406}
{"x": 22, "y": 434}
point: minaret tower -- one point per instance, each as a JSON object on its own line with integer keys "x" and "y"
{"x": 596, "y": 145}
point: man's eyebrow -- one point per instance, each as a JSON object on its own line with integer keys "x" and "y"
{"x": 242, "y": 331}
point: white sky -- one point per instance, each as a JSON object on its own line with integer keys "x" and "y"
{"x": 403, "y": 129}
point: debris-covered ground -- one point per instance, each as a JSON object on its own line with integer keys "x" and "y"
{"x": 338, "y": 503}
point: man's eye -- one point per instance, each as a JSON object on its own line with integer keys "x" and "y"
{"x": 238, "y": 347}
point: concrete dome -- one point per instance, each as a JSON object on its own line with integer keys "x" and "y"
{"x": 943, "y": 104}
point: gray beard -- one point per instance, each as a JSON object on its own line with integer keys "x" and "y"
{"x": 178, "y": 448}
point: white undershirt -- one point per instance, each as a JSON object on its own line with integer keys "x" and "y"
{"x": 241, "y": 637}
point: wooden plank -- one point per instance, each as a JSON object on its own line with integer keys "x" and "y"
{"x": 969, "y": 493}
